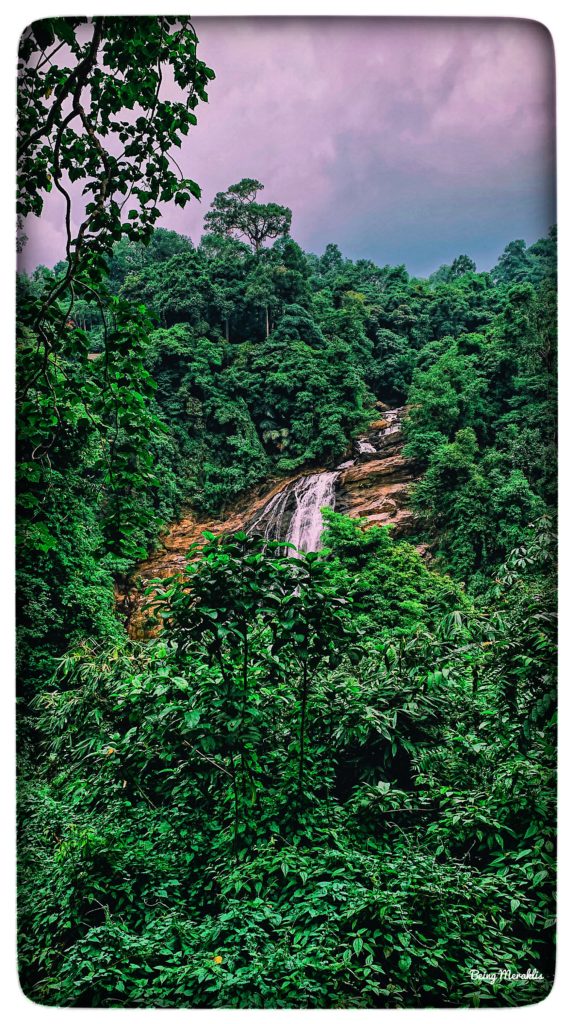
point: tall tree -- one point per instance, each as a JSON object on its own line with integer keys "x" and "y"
{"x": 236, "y": 212}
{"x": 92, "y": 116}
{"x": 93, "y": 110}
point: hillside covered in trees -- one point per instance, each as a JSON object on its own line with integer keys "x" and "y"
{"x": 328, "y": 781}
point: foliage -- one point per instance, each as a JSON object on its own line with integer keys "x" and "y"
{"x": 482, "y": 425}
{"x": 86, "y": 431}
{"x": 212, "y": 830}
{"x": 389, "y": 583}
{"x": 237, "y": 213}
{"x": 328, "y": 780}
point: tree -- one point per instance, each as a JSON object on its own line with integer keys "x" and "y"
{"x": 260, "y": 291}
{"x": 73, "y": 126}
{"x": 461, "y": 265}
{"x": 237, "y": 213}
{"x": 80, "y": 80}
{"x": 92, "y": 114}
{"x": 514, "y": 265}
{"x": 331, "y": 260}
{"x": 227, "y": 261}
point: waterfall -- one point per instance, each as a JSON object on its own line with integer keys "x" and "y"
{"x": 271, "y": 522}
{"x": 312, "y": 493}
{"x": 294, "y": 514}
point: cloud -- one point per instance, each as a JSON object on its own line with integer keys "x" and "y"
{"x": 403, "y": 140}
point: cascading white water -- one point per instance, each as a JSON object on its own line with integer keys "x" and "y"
{"x": 271, "y": 522}
{"x": 312, "y": 493}
{"x": 365, "y": 447}
{"x": 294, "y": 514}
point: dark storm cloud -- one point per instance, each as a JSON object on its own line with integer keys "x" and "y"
{"x": 403, "y": 140}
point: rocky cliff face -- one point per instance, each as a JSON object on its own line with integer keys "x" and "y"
{"x": 171, "y": 554}
{"x": 375, "y": 485}
{"x": 372, "y": 483}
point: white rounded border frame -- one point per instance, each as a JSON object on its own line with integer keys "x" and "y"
{"x": 558, "y": 21}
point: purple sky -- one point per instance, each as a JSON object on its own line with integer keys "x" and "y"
{"x": 403, "y": 140}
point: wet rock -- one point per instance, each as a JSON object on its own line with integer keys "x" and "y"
{"x": 379, "y": 425}
{"x": 375, "y": 487}
{"x": 389, "y": 468}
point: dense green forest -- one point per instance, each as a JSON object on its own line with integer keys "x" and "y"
{"x": 329, "y": 780}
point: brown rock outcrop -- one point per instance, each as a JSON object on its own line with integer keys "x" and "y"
{"x": 379, "y": 492}
{"x": 375, "y": 487}
{"x": 171, "y": 555}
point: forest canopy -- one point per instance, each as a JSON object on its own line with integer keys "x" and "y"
{"x": 329, "y": 780}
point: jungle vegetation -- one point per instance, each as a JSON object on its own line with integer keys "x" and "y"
{"x": 329, "y": 780}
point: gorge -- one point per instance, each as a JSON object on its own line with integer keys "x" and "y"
{"x": 371, "y": 483}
